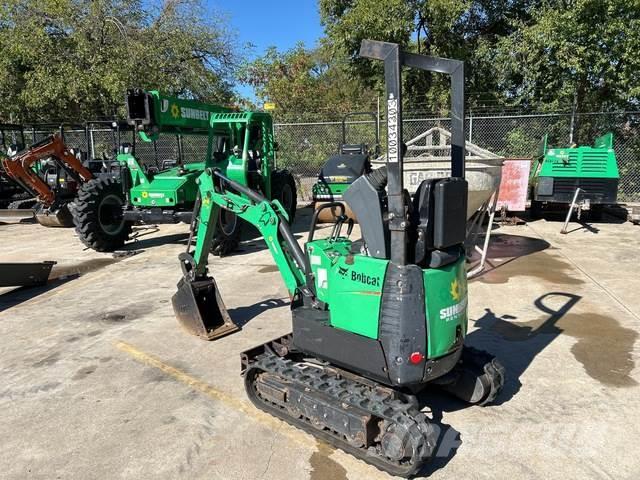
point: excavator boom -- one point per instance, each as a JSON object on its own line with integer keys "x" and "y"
{"x": 197, "y": 303}
{"x": 20, "y": 167}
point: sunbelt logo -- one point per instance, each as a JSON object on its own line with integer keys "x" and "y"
{"x": 453, "y": 312}
{"x": 189, "y": 113}
{"x": 458, "y": 295}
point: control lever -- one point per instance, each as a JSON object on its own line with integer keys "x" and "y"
{"x": 337, "y": 227}
{"x": 350, "y": 224}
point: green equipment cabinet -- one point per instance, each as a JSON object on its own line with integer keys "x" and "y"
{"x": 558, "y": 172}
{"x": 167, "y": 191}
{"x": 343, "y": 168}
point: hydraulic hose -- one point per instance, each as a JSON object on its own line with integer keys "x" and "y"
{"x": 283, "y": 227}
{"x": 378, "y": 178}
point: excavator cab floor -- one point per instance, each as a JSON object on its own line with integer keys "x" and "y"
{"x": 200, "y": 310}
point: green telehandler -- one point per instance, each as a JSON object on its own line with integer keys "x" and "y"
{"x": 374, "y": 323}
{"x": 166, "y": 192}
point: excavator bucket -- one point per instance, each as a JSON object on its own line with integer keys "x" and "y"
{"x": 60, "y": 217}
{"x": 200, "y": 310}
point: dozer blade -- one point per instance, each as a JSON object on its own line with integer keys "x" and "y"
{"x": 60, "y": 217}
{"x": 199, "y": 308}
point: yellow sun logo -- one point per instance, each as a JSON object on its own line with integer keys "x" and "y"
{"x": 455, "y": 290}
{"x": 175, "y": 111}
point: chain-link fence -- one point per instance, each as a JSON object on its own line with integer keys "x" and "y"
{"x": 305, "y": 146}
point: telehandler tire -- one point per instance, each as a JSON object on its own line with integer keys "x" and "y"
{"x": 283, "y": 189}
{"x": 98, "y": 215}
{"x": 228, "y": 231}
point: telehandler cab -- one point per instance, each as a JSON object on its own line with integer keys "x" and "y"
{"x": 373, "y": 324}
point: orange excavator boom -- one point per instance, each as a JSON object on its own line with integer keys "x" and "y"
{"x": 19, "y": 167}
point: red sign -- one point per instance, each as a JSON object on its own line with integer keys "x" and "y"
{"x": 514, "y": 184}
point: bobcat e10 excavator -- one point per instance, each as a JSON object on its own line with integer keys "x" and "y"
{"x": 373, "y": 324}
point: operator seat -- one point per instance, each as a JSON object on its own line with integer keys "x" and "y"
{"x": 438, "y": 221}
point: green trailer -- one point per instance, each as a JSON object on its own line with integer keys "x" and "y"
{"x": 557, "y": 173}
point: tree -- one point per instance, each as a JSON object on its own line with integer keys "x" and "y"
{"x": 306, "y": 81}
{"x": 533, "y": 54}
{"x": 579, "y": 51}
{"x": 447, "y": 28}
{"x": 74, "y": 59}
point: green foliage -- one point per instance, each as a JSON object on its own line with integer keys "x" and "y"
{"x": 532, "y": 54}
{"x": 74, "y": 59}
{"x": 519, "y": 143}
{"x": 306, "y": 82}
{"x": 447, "y": 28}
{"x": 585, "y": 50}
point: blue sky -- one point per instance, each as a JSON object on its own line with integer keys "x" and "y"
{"x": 265, "y": 23}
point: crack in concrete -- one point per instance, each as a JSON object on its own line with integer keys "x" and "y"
{"x": 273, "y": 441}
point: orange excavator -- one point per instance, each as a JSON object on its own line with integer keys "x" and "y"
{"x": 52, "y": 173}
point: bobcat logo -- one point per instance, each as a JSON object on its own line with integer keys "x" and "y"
{"x": 343, "y": 271}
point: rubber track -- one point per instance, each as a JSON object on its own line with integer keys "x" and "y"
{"x": 381, "y": 403}
{"x": 494, "y": 372}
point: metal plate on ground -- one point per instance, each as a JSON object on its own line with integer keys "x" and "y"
{"x": 25, "y": 274}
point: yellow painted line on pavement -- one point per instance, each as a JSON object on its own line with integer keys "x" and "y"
{"x": 211, "y": 391}
{"x": 292, "y": 433}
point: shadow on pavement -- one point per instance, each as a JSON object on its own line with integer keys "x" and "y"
{"x": 515, "y": 345}
{"x": 243, "y": 315}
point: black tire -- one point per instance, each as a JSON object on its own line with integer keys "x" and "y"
{"x": 228, "y": 231}
{"x": 283, "y": 189}
{"x": 98, "y": 215}
{"x": 536, "y": 209}
{"x": 596, "y": 212}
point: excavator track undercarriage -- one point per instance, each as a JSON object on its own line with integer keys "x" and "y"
{"x": 377, "y": 424}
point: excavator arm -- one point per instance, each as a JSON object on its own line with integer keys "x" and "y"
{"x": 20, "y": 167}
{"x": 198, "y": 305}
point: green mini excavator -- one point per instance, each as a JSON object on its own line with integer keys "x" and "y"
{"x": 374, "y": 321}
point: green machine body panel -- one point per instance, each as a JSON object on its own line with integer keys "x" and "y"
{"x": 557, "y": 172}
{"x": 446, "y": 306}
{"x": 260, "y": 128}
{"x": 329, "y": 190}
{"x": 352, "y": 286}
